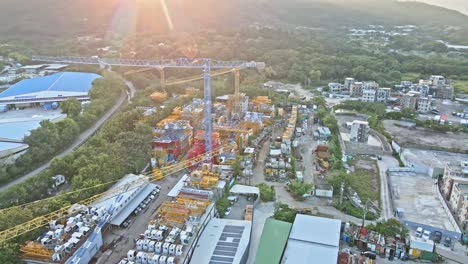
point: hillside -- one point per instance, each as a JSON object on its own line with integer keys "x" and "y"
{"x": 51, "y": 19}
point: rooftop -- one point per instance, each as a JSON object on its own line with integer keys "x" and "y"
{"x": 313, "y": 240}
{"x": 272, "y": 242}
{"x": 223, "y": 241}
{"x": 77, "y": 82}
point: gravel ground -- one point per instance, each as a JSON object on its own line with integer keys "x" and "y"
{"x": 425, "y": 138}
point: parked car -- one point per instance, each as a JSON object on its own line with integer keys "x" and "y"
{"x": 447, "y": 241}
{"x": 228, "y": 211}
{"x": 426, "y": 234}
{"x": 419, "y": 232}
{"x": 437, "y": 236}
{"x": 126, "y": 223}
{"x": 369, "y": 254}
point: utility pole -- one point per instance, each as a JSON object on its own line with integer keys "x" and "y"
{"x": 341, "y": 191}
{"x": 364, "y": 213}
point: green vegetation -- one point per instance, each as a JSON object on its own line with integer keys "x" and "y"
{"x": 284, "y": 213}
{"x": 71, "y": 107}
{"x": 347, "y": 208}
{"x": 267, "y": 193}
{"x": 222, "y": 204}
{"x": 298, "y": 189}
{"x": 51, "y": 138}
{"x": 328, "y": 120}
{"x": 391, "y": 227}
{"x": 439, "y": 127}
{"x": 461, "y": 86}
{"x": 365, "y": 183}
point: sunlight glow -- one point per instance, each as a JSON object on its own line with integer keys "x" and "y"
{"x": 167, "y": 14}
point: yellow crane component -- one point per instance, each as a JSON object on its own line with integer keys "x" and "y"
{"x": 35, "y": 250}
{"x": 43, "y": 220}
{"x": 233, "y": 129}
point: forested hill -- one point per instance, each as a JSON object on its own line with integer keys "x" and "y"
{"x": 59, "y": 18}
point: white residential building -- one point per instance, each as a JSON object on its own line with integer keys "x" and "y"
{"x": 359, "y": 131}
{"x": 348, "y": 82}
{"x": 424, "y": 104}
{"x": 368, "y": 95}
{"x": 438, "y": 80}
{"x": 383, "y": 94}
{"x": 336, "y": 88}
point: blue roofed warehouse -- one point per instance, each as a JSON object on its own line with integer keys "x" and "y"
{"x": 51, "y": 88}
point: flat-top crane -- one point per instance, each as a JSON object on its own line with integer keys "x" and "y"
{"x": 205, "y": 64}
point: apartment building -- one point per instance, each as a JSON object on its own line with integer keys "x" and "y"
{"x": 383, "y": 94}
{"x": 348, "y": 82}
{"x": 437, "y": 80}
{"x": 424, "y": 104}
{"x": 359, "y": 131}
{"x": 368, "y": 95}
{"x": 356, "y": 89}
{"x": 454, "y": 172}
{"x": 444, "y": 92}
{"x": 410, "y": 99}
{"x": 336, "y": 88}
{"x": 459, "y": 201}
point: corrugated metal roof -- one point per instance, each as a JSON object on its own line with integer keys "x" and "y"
{"x": 272, "y": 242}
{"x": 17, "y": 130}
{"x": 313, "y": 240}
{"x": 316, "y": 230}
{"x": 62, "y": 81}
{"x": 223, "y": 241}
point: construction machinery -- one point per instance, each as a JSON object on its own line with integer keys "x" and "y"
{"x": 206, "y": 64}
{"x": 43, "y": 220}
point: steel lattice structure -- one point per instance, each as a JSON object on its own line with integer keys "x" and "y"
{"x": 199, "y": 63}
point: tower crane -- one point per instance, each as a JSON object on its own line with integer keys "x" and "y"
{"x": 206, "y": 64}
{"x": 43, "y": 220}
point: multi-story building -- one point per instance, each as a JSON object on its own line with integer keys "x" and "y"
{"x": 454, "y": 172}
{"x": 356, "y": 89}
{"x": 424, "y": 90}
{"x": 382, "y": 95}
{"x": 459, "y": 201}
{"x": 348, "y": 82}
{"x": 424, "y": 104}
{"x": 444, "y": 92}
{"x": 368, "y": 95}
{"x": 370, "y": 85}
{"x": 437, "y": 80}
{"x": 359, "y": 131}
{"x": 336, "y": 88}
{"x": 410, "y": 99}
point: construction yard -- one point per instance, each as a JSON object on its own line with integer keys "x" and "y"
{"x": 407, "y": 136}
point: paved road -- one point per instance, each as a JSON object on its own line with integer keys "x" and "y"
{"x": 81, "y": 138}
{"x": 387, "y": 207}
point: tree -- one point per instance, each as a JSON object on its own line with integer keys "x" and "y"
{"x": 284, "y": 213}
{"x": 298, "y": 189}
{"x": 315, "y": 75}
{"x": 71, "y": 107}
{"x": 222, "y": 205}
{"x": 391, "y": 227}
{"x": 267, "y": 193}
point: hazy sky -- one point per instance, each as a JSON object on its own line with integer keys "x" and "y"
{"x": 459, "y": 5}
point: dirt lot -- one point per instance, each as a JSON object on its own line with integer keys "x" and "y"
{"x": 426, "y": 138}
{"x": 365, "y": 180}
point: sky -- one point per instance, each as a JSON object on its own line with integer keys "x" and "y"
{"x": 459, "y": 5}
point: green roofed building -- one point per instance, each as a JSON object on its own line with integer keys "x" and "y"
{"x": 273, "y": 241}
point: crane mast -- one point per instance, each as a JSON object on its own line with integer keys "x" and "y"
{"x": 205, "y": 64}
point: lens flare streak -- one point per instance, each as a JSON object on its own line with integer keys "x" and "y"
{"x": 167, "y": 14}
